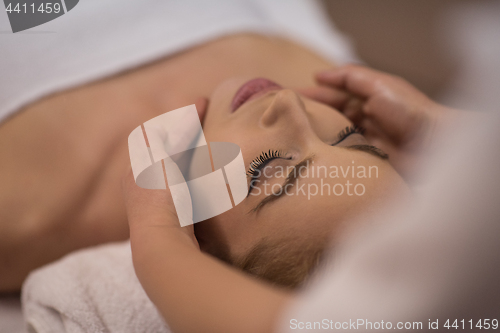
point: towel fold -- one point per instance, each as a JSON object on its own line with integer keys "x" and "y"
{"x": 92, "y": 290}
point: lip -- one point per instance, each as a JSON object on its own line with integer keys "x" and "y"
{"x": 251, "y": 90}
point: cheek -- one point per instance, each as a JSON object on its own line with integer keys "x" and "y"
{"x": 221, "y": 98}
{"x": 211, "y": 122}
{"x": 326, "y": 123}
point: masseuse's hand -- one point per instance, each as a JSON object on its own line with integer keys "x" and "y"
{"x": 396, "y": 116}
{"x": 153, "y": 221}
{"x": 152, "y": 212}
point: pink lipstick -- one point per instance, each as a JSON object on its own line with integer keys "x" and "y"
{"x": 251, "y": 90}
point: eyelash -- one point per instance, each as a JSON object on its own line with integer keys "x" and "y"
{"x": 264, "y": 158}
{"x": 348, "y": 131}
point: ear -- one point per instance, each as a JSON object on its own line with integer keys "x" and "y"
{"x": 202, "y": 107}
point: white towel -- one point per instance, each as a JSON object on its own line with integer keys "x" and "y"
{"x": 92, "y": 290}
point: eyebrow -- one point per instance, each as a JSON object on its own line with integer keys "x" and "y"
{"x": 295, "y": 173}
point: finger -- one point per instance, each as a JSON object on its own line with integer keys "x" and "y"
{"x": 373, "y": 134}
{"x": 353, "y": 110}
{"x": 355, "y": 79}
{"x": 334, "y": 97}
{"x": 201, "y": 106}
{"x": 147, "y": 207}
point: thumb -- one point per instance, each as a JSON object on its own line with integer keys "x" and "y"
{"x": 147, "y": 207}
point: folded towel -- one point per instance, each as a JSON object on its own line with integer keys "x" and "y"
{"x": 92, "y": 290}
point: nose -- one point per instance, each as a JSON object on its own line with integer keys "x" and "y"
{"x": 287, "y": 110}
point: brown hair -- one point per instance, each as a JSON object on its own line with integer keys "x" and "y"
{"x": 286, "y": 262}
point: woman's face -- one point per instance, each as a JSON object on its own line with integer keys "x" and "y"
{"x": 309, "y": 174}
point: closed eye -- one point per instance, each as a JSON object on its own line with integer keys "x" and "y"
{"x": 370, "y": 150}
{"x": 259, "y": 163}
{"x": 346, "y": 132}
{"x": 359, "y": 144}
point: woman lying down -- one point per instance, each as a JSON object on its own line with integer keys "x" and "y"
{"x": 319, "y": 160}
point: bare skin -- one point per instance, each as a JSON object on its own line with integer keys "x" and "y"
{"x": 63, "y": 156}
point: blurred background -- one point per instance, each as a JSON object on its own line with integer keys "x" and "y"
{"x": 450, "y": 49}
